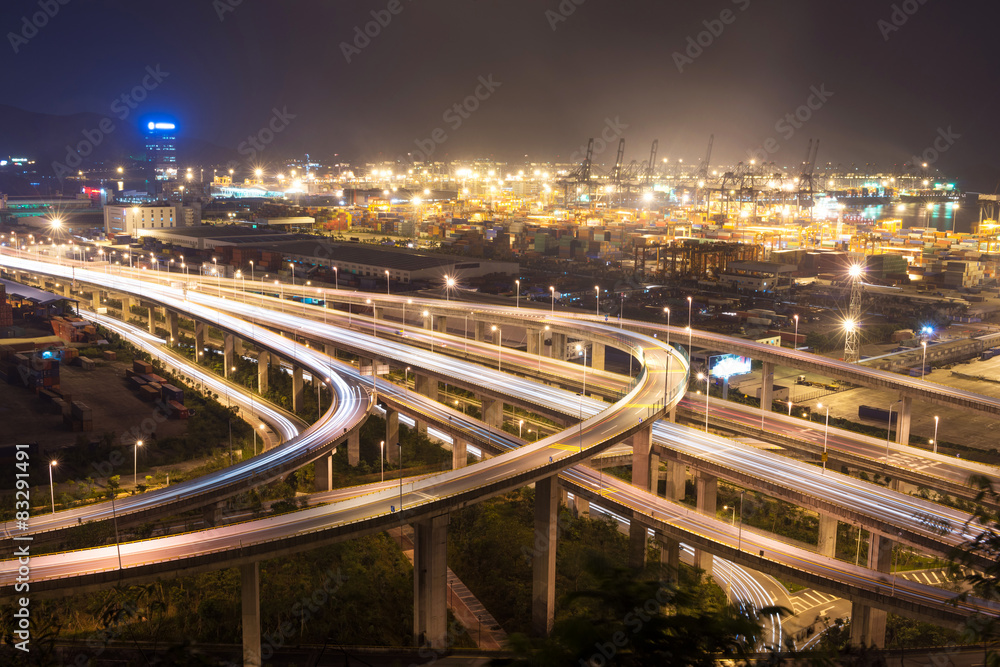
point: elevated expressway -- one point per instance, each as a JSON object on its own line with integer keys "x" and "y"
{"x": 528, "y": 465}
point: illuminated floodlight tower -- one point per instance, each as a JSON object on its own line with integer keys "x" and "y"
{"x": 852, "y": 326}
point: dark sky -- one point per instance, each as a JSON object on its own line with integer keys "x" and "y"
{"x": 607, "y": 60}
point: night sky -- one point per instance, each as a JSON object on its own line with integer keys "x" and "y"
{"x": 894, "y": 87}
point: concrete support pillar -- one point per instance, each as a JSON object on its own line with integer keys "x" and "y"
{"x": 481, "y": 329}
{"x": 707, "y": 489}
{"x": 95, "y": 300}
{"x": 151, "y": 321}
{"x": 212, "y": 514}
{"x": 543, "y": 582}
{"x": 827, "y": 543}
{"x": 228, "y": 358}
{"x": 173, "y": 326}
{"x": 199, "y": 340}
{"x": 67, "y": 290}
{"x": 430, "y": 582}
{"x": 391, "y": 436}
{"x": 636, "y": 545}
{"x": 534, "y": 341}
{"x": 324, "y": 472}
{"x": 330, "y": 350}
{"x": 676, "y": 479}
{"x": 492, "y": 411}
{"x": 767, "y": 386}
{"x": 126, "y": 307}
{"x": 263, "y": 367}
{"x": 868, "y": 623}
{"x": 559, "y": 346}
{"x": 581, "y": 506}
{"x": 238, "y": 347}
{"x": 441, "y": 324}
{"x": 597, "y": 356}
{"x": 250, "y": 594}
{"x": 642, "y": 449}
{"x": 459, "y": 456}
{"x": 426, "y": 386}
{"x": 903, "y": 421}
{"x": 670, "y": 554}
{"x": 354, "y": 447}
{"x": 297, "y": 392}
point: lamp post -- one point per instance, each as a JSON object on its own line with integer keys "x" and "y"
{"x": 597, "y": 300}
{"x": 262, "y": 427}
{"x": 336, "y": 278}
{"x": 387, "y": 282}
{"x": 733, "y": 510}
{"x": 826, "y": 433}
{"x": 552, "y": 291}
{"x": 381, "y": 458}
{"x": 888, "y": 430}
{"x": 690, "y": 304}
{"x": 739, "y": 539}
{"x": 291, "y": 269}
{"x": 52, "y": 489}
{"x": 702, "y": 376}
{"x": 449, "y": 282}
{"x": 135, "y": 463}
{"x": 499, "y": 343}
{"x": 251, "y": 269}
{"x": 404, "y": 313}
{"x": 796, "y": 318}
{"x": 935, "y": 441}
{"x": 517, "y": 297}
{"x": 431, "y": 315}
{"x": 520, "y": 427}
{"x": 584, "y": 391}
{"x": 374, "y": 333}
{"x": 789, "y": 408}
{"x": 923, "y": 362}
{"x": 667, "y": 313}
{"x": 400, "y": 445}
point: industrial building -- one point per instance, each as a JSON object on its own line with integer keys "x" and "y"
{"x": 141, "y": 219}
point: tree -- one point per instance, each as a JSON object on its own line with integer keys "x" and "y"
{"x": 983, "y": 581}
{"x": 631, "y": 621}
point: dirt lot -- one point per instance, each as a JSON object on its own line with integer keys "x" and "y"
{"x": 26, "y": 418}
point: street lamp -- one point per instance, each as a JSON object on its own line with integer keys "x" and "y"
{"x": 923, "y": 362}
{"x": 262, "y": 427}
{"x": 667, "y": 312}
{"x": 826, "y": 433}
{"x": 733, "y": 510}
{"x": 499, "y": 343}
{"x": 135, "y": 463}
{"x": 796, "y": 318}
{"x": 387, "y": 283}
{"x": 584, "y": 391}
{"x": 739, "y": 539}
{"x": 702, "y": 376}
{"x": 520, "y": 427}
{"x": 291, "y": 268}
{"x": 888, "y": 430}
{"x": 597, "y": 300}
{"x": 251, "y": 269}
{"x": 449, "y": 283}
{"x": 431, "y": 315}
{"x": 336, "y": 278}
{"x": 374, "y": 333}
{"x": 552, "y": 291}
{"x": 381, "y": 457}
{"x": 52, "y": 489}
{"x": 690, "y": 303}
{"x": 517, "y": 297}
{"x": 935, "y": 440}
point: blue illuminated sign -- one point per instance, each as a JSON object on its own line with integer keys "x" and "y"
{"x": 728, "y": 365}
{"x": 161, "y": 126}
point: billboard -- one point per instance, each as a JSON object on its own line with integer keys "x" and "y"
{"x": 728, "y": 365}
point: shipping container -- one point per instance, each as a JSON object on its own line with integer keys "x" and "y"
{"x": 876, "y": 414}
